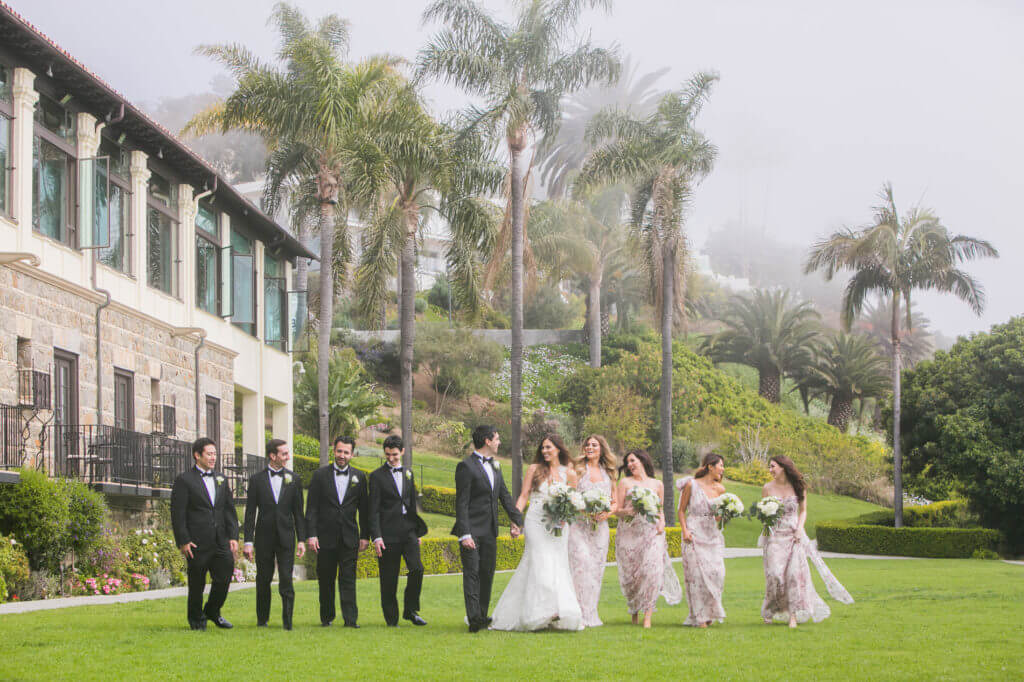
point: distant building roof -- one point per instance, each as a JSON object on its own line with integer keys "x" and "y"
{"x": 43, "y": 56}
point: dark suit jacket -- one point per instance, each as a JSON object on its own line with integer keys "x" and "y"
{"x": 386, "y": 518}
{"x": 274, "y": 524}
{"x": 332, "y": 523}
{"x": 476, "y": 503}
{"x": 195, "y": 519}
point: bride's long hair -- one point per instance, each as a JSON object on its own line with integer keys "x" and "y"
{"x": 543, "y": 470}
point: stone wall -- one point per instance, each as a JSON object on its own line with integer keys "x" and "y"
{"x": 45, "y": 316}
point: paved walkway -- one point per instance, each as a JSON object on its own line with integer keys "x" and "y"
{"x": 171, "y": 592}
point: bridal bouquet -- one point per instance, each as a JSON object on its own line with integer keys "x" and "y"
{"x": 645, "y": 503}
{"x": 596, "y": 502}
{"x": 767, "y": 510}
{"x": 563, "y": 506}
{"x": 727, "y": 508}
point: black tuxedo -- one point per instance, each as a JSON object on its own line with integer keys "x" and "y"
{"x": 476, "y": 514}
{"x": 272, "y": 526}
{"x": 210, "y": 526}
{"x": 400, "y": 530}
{"x": 338, "y": 531}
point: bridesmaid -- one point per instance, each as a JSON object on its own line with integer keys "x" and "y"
{"x": 703, "y": 542}
{"x": 788, "y": 586}
{"x": 588, "y": 546}
{"x": 645, "y": 570}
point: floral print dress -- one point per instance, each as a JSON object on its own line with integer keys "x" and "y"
{"x": 588, "y": 552}
{"x": 645, "y": 570}
{"x": 703, "y": 559}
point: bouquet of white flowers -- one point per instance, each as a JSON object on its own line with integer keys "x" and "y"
{"x": 645, "y": 503}
{"x": 727, "y": 508}
{"x": 563, "y": 506}
{"x": 767, "y": 510}
{"x": 597, "y": 502}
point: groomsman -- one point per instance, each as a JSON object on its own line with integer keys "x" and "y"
{"x": 396, "y": 529}
{"x": 273, "y": 521}
{"x": 337, "y": 494}
{"x": 206, "y": 532}
{"x": 479, "y": 488}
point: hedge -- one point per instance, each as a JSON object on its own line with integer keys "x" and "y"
{"x": 304, "y": 466}
{"x": 926, "y": 533}
{"x": 441, "y": 555}
{"x": 751, "y": 475}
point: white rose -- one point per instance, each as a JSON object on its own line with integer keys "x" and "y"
{"x": 288, "y": 478}
{"x": 770, "y": 508}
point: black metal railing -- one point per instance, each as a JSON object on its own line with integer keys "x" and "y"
{"x": 12, "y": 437}
{"x": 239, "y": 469}
{"x": 163, "y": 420}
{"x": 34, "y": 389}
{"x": 107, "y": 454}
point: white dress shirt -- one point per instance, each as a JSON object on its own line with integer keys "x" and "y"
{"x": 397, "y": 473}
{"x": 210, "y": 483}
{"x": 275, "y": 483}
{"x": 341, "y": 481}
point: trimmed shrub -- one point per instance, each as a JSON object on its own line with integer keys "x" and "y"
{"x": 304, "y": 467}
{"x": 751, "y": 474}
{"x": 438, "y": 500}
{"x": 87, "y": 512}
{"x": 928, "y": 533}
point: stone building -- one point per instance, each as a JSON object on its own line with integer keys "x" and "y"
{"x": 143, "y": 300}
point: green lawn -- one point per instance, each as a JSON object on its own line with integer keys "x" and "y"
{"x": 913, "y": 620}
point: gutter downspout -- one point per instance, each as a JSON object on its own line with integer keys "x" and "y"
{"x": 188, "y": 331}
{"x": 99, "y": 309}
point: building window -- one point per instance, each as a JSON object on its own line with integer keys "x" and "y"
{"x": 275, "y": 292}
{"x": 207, "y": 260}
{"x": 213, "y": 420}
{"x": 124, "y": 399}
{"x": 6, "y": 114}
{"x": 162, "y": 261}
{"x": 113, "y": 208}
{"x": 53, "y": 172}
{"x": 243, "y": 283}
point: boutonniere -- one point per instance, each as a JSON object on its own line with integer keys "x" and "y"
{"x": 219, "y": 479}
{"x": 408, "y": 475}
{"x": 355, "y": 479}
{"x": 288, "y": 478}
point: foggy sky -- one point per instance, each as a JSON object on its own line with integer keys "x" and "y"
{"x": 819, "y": 103}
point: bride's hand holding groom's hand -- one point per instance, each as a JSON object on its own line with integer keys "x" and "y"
{"x": 515, "y": 531}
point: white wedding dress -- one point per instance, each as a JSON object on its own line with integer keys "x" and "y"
{"x": 541, "y": 593}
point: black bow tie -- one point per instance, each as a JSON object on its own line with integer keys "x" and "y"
{"x": 341, "y": 472}
{"x": 279, "y": 472}
{"x": 204, "y": 474}
{"x": 485, "y": 460}
{"x": 396, "y": 470}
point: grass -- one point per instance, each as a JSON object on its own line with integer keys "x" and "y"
{"x": 913, "y": 620}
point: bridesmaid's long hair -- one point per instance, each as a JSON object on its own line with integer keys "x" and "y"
{"x": 793, "y": 475}
{"x": 543, "y": 470}
{"x": 710, "y": 460}
{"x": 607, "y": 460}
{"x": 644, "y": 458}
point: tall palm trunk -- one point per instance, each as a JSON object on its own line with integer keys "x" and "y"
{"x": 515, "y": 145}
{"x": 407, "y": 314}
{"x": 769, "y": 384}
{"x": 667, "y": 306}
{"x": 841, "y": 411}
{"x": 897, "y": 455}
{"x": 594, "y": 318}
{"x": 323, "y": 351}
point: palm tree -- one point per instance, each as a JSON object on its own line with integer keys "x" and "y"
{"x": 915, "y": 341}
{"x": 579, "y": 238}
{"x": 769, "y": 331}
{"x": 848, "y": 367}
{"x": 521, "y": 71}
{"x": 305, "y": 111}
{"x": 894, "y": 256}
{"x": 662, "y": 157}
{"x": 563, "y": 155}
{"x": 421, "y": 166}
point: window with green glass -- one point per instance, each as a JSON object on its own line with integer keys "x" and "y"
{"x": 52, "y": 191}
{"x": 52, "y": 116}
{"x": 115, "y": 205}
{"x": 162, "y": 260}
{"x": 243, "y": 281}
{"x": 275, "y": 292}
{"x": 207, "y": 260}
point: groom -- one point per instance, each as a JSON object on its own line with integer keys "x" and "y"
{"x": 479, "y": 488}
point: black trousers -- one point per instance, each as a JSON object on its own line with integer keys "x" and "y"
{"x": 267, "y": 556}
{"x": 478, "y": 576}
{"x": 219, "y": 562}
{"x": 338, "y": 562}
{"x": 389, "y": 564}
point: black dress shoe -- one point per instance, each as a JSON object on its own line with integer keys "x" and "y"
{"x": 197, "y": 624}
{"x": 325, "y": 623}
{"x": 261, "y": 625}
{"x": 223, "y": 624}
{"x": 352, "y": 625}
{"x": 476, "y": 626}
{"x": 392, "y": 625}
{"x": 287, "y": 626}
{"x": 414, "y": 618}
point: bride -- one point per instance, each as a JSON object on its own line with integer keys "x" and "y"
{"x": 541, "y": 592}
